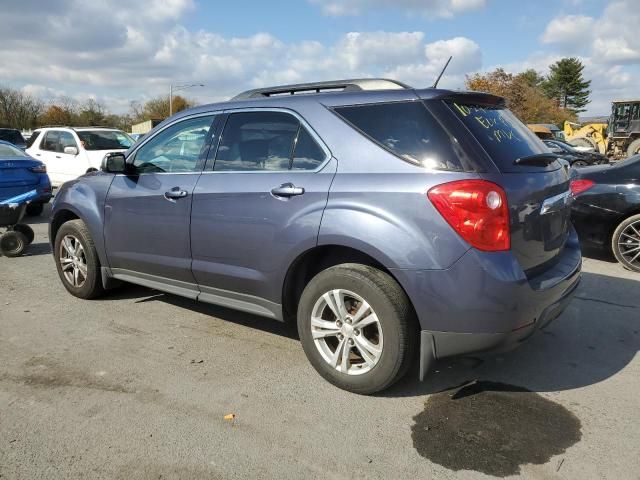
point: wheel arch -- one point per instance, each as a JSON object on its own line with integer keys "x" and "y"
{"x": 59, "y": 218}
{"x": 314, "y": 260}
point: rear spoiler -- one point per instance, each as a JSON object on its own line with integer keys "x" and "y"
{"x": 475, "y": 98}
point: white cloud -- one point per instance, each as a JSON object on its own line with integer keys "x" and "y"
{"x": 140, "y": 55}
{"x": 569, "y": 30}
{"x": 431, "y": 8}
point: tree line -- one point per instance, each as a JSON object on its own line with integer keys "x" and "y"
{"x": 24, "y": 111}
{"x": 534, "y": 98}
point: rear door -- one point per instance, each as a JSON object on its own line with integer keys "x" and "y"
{"x": 536, "y": 184}
{"x": 259, "y": 203}
{"x": 147, "y": 212}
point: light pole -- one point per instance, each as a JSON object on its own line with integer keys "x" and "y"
{"x": 173, "y": 88}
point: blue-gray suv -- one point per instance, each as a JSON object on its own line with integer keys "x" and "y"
{"x": 395, "y": 225}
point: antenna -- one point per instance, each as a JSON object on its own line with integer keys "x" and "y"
{"x": 441, "y": 73}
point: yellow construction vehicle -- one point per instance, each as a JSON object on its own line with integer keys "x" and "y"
{"x": 617, "y": 139}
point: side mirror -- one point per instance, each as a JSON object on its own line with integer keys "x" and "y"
{"x": 71, "y": 150}
{"x": 114, "y": 162}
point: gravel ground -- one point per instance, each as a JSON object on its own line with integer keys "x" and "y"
{"x": 137, "y": 384}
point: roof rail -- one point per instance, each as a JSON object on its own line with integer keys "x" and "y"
{"x": 352, "y": 85}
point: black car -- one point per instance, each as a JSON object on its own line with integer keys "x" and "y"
{"x": 606, "y": 211}
{"x": 576, "y": 158}
{"x": 13, "y": 136}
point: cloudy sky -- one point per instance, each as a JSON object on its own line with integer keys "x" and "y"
{"x": 119, "y": 51}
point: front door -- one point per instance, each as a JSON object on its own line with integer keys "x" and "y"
{"x": 60, "y": 166}
{"x": 147, "y": 212}
{"x": 259, "y": 204}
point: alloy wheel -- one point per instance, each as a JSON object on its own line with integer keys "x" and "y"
{"x": 73, "y": 261}
{"x": 629, "y": 244}
{"x": 347, "y": 332}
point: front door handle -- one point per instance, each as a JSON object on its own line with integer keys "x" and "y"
{"x": 175, "y": 193}
{"x": 287, "y": 190}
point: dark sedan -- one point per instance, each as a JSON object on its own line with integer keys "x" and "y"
{"x": 577, "y": 158}
{"x": 606, "y": 211}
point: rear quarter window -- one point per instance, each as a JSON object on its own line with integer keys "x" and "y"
{"x": 406, "y": 129}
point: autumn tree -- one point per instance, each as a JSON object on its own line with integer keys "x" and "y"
{"x": 567, "y": 85}
{"x": 524, "y": 95}
{"x": 158, "y": 108}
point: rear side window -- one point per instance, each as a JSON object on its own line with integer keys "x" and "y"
{"x": 266, "y": 141}
{"x": 501, "y": 134}
{"x": 406, "y": 129}
{"x": 11, "y": 136}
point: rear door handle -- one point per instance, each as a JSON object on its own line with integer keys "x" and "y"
{"x": 58, "y": 156}
{"x": 287, "y": 190}
{"x": 175, "y": 193}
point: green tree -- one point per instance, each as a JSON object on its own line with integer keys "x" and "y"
{"x": 567, "y": 85}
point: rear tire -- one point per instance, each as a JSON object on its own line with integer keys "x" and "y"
{"x": 13, "y": 243}
{"x": 378, "y": 353}
{"x": 35, "y": 209}
{"x": 77, "y": 260}
{"x": 26, "y": 230}
{"x": 633, "y": 148}
{"x": 625, "y": 243}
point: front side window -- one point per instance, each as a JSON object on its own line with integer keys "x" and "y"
{"x": 66, "y": 140}
{"x": 266, "y": 141}
{"x": 105, "y": 140}
{"x": 176, "y": 149}
{"x": 406, "y": 129}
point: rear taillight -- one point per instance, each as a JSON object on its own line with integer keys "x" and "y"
{"x": 39, "y": 169}
{"x": 477, "y": 210}
{"x": 581, "y": 185}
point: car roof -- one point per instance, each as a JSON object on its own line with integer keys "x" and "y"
{"x": 344, "y": 98}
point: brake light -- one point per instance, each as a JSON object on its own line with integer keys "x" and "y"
{"x": 39, "y": 169}
{"x": 477, "y": 210}
{"x": 580, "y": 185}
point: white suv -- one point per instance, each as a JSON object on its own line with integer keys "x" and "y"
{"x": 69, "y": 152}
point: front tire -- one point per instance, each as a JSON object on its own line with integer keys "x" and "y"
{"x": 77, "y": 260}
{"x": 357, "y": 328}
{"x": 633, "y": 148}
{"x": 625, "y": 243}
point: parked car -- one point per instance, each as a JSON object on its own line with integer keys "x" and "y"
{"x": 19, "y": 173}
{"x": 388, "y": 222}
{"x": 575, "y": 157}
{"x": 606, "y": 211}
{"x": 69, "y": 152}
{"x": 13, "y": 136}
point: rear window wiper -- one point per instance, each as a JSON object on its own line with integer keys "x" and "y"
{"x": 538, "y": 160}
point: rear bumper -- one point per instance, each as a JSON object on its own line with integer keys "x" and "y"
{"x": 436, "y": 345}
{"x": 486, "y": 302}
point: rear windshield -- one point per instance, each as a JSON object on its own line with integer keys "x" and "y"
{"x": 12, "y": 136}
{"x": 406, "y": 129}
{"x": 10, "y": 151}
{"x": 104, "y": 139}
{"x": 501, "y": 134}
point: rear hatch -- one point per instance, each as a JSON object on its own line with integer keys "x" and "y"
{"x": 16, "y": 176}
{"x": 535, "y": 181}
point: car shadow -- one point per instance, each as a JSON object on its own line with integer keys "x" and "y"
{"x": 597, "y": 253}
{"x": 35, "y": 249}
{"x": 254, "y": 322}
{"x": 595, "y": 338}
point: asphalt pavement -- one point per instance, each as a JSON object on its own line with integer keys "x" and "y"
{"x": 137, "y": 385}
